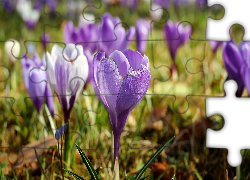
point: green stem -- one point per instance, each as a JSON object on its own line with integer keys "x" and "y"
{"x": 67, "y": 146}
{"x": 42, "y": 121}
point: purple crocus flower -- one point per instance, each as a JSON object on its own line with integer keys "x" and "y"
{"x": 29, "y": 15}
{"x": 67, "y": 73}
{"x": 201, "y": 3}
{"x": 176, "y": 35}
{"x": 121, "y": 82}
{"x": 215, "y": 45}
{"x": 142, "y": 31}
{"x": 113, "y": 35}
{"x": 33, "y": 78}
{"x": 234, "y": 60}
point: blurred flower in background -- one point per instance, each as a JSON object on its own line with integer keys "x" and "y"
{"x": 142, "y": 30}
{"x": 34, "y": 80}
{"x": 12, "y": 49}
{"x": 176, "y": 35}
{"x": 113, "y": 35}
{"x": 29, "y": 15}
{"x": 67, "y": 73}
{"x": 8, "y": 5}
{"x": 122, "y": 80}
{"x": 156, "y": 12}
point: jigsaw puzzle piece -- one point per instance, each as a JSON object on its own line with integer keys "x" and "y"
{"x": 181, "y": 82}
{"x": 224, "y": 137}
{"x": 219, "y": 30}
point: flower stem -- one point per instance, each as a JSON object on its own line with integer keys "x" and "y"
{"x": 116, "y": 169}
{"x": 67, "y": 146}
{"x": 61, "y": 159}
{"x": 42, "y": 121}
{"x": 174, "y": 71}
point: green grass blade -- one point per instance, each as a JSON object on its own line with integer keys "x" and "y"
{"x": 152, "y": 159}
{"x": 88, "y": 164}
{"x": 41, "y": 165}
{"x": 74, "y": 174}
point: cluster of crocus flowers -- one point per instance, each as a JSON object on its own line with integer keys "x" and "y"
{"x": 67, "y": 71}
{"x": 34, "y": 77}
{"x": 236, "y": 62}
{"x": 113, "y": 36}
{"x": 121, "y": 82}
{"x": 176, "y": 34}
{"x": 29, "y": 15}
{"x": 142, "y": 31}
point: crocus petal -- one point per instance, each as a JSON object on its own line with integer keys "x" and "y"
{"x": 176, "y": 35}
{"x": 233, "y": 64}
{"x": 61, "y": 130}
{"x": 142, "y": 31}
{"x": 134, "y": 58}
{"x": 128, "y": 38}
{"x": 70, "y": 33}
{"x": 133, "y": 89}
{"x": 244, "y": 48}
{"x": 37, "y": 87}
{"x": 26, "y": 63}
{"x": 246, "y": 77}
{"x": 78, "y": 75}
{"x": 121, "y": 62}
{"x": 109, "y": 82}
{"x": 57, "y": 134}
{"x": 96, "y": 61}
{"x": 70, "y": 52}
